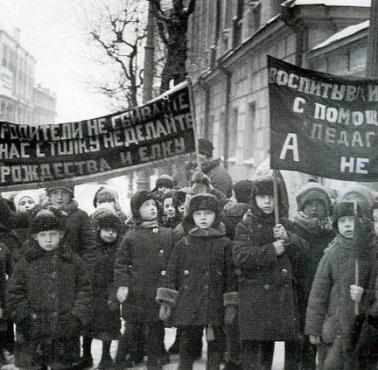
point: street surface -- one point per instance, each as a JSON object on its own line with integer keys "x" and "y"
{"x": 199, "y": 365}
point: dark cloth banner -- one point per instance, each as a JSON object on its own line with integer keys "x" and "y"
{"x": 33, "y": 155}
{"x": 323, "y": 124}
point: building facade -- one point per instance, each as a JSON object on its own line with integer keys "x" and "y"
{"x": 20, "y": 100}
{"x": 228, "y": 63}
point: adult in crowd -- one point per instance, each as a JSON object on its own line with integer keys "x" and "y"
{"x": 219, "y": 177}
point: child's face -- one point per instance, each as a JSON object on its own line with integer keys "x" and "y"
{"x": 108, "y": 234}
{"x": 26, "y": 204}
{"x": 375, "y": 219}
{"x": 265, "y": 203}
{"x": 148, "y": 210}
{"x": 181, "y": 208}
{"x": 60, "y": 198}
{"x": 345, "y": 226}
{"x": 164, "y": 189}
{"x": 169, "y": 210}
{"x": 204, "y": 219}
{"x": 49, "y": 239}
{"x": 107, "y": 203}
{"x": 314, "y": 208}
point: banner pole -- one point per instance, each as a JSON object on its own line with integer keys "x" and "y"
{"x": 275, "y": 198}
{"x": 194, "y": 119}
{"x": 356, "y": 275}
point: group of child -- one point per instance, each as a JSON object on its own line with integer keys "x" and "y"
{"x": 193, "y": 259}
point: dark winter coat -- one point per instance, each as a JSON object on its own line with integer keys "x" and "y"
{"x": 6, "y": 269}
{"x": 49, "y": 296}
{"x": 267, "y": 295}
{"x": 219, "y": 177}
{"x": 330, "y": 311}
{"x": 318, "y": 240}
{"x": 141, "y": 262}
{"x": 200, "y": 270}
{"x": 106, "y": 322}
{"x": 233, "y": 214}
{"x": 12, "y": 241}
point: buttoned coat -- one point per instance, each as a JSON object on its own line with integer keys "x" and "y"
{"x": 49, "y": 297}
{"x": 201, "y": 271}
{"x": 267, "y": 295}
{"x": 140, "y": 264}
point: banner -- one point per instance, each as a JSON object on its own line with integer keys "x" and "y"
{"x": 322, "y": 124}
{"x": 33, "y": 155}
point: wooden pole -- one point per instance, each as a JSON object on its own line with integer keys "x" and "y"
{"x": 356, "y": 281}
{"x": 372, "y": 43}
{"x": 193, "y": 111}
{"x": 275, "y": 198}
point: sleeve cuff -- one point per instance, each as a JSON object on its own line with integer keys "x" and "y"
{"x": 231, "y": 299}
{"x": 166, "y": 295}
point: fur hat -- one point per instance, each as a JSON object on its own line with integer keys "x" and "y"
{"x": 138, "y": 199}
{"x": 23, "y": 194}
{"x": 201, "y": 202}
{"x": 242, "y": 190}
{"x": 108, "y": 221}
{"x": 164, "y": 180}
{"x": 45, "y": 221}
{"x": 263, "y": 186}
{"x": 68, "y": 188}
{"x": 104, "y": 195}
{"x": 200, "y": 178}
{"x": 205, "y": 147}
{"x": 345, "y": 209}
{"x": 313, "y": 191}
{"x": 178, "y": 198}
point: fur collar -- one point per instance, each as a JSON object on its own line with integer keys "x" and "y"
{"x": 35, "y": 252}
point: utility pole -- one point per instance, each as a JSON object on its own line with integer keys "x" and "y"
{"x": 372, "y": 44}
{"x": 148, "y": 79}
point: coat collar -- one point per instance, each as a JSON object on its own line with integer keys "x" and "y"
{"x": 35, "y": 252}
{"x": 211, "y": 232}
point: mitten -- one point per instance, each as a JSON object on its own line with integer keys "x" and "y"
{"x": 122, "y": 293}
{"x": 165, "y": 311}
{"x": 229, "y": 314}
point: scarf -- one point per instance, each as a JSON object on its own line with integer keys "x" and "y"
{"x": 149, "y": 224}
{"x": 311, "y": 224}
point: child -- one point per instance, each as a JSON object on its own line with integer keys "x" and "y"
{"x": 49, "y": 298}
{"x": 140, "y": 264}
{"x": 178, "y": 201}
{"x": 106, "y": 321}
{"x": 330, "y": 311}
{"x": 25, "y": 201}
{"x": 171, "y": 216}
{"x": 199, "y": 280}
{"x": 311, "y": 224}
{"x": 268, "y": 256}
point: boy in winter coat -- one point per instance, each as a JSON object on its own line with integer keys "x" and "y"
{"x": 199, "y": 282}
{"x": 311, "y": 224}
{"x": 140, "y": 264}
{"x": 171, "y": 216}
{"x": 330, "y": 312}
{"x": 49, "y": 297}
{"x": 268, "y": 256}
{"x": 106, "y": 323}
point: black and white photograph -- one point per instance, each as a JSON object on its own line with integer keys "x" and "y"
{"x": 189, "y": 184}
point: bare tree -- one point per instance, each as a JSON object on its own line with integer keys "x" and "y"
{"x": 120, "y": 34}
{"x": 173, "y": 26}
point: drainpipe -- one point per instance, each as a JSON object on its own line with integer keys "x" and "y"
{"x": 226, "y": 127}
{"x": 205, "y": 87}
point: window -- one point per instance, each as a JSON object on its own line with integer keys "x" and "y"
{"x": 238, "y": 23}
{"x": 4, "y": 59}
{"x": 232, "y": 134}
{"x": 250, "y": 136}
{"x": 254, "y": 16}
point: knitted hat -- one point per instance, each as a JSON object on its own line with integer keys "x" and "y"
{"x": 345, "y": 209}
{"x": 138, "y": 199}
{"x": 200, "y": 178}
{"x": 164, "y": 180}
{"x": 362, "y": 195}
{"x": 205, "y": 147}
{"x": 23, "y": 194}
{"x": 243, "y": 190}
{"x": 45, "y": 221}
{"x": 104, "y": 195}
{"x": 67, "y": 188}
{"x": 313, "y": 191}
{"x": 108, "y": 221}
